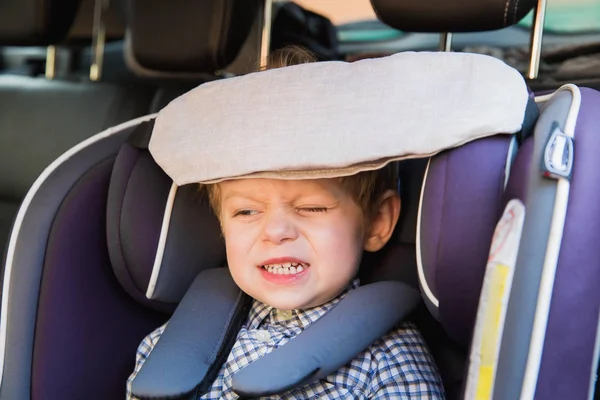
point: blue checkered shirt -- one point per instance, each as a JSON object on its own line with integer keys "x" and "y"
{"x": 398, "y": 366}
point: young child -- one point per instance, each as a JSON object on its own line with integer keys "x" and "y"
{"x": 295, "y": 246}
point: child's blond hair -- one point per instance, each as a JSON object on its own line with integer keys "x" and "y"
{"x": 366, "y": 188}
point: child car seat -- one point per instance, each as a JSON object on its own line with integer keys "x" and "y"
{"x": 151, "y": 382}
{"x": 73, "y": 266}
{"x": 76, "y": 188}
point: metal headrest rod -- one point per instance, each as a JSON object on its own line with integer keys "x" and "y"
{"x": 98, "y": 39}
{"x": 537, "y": 33}
{"x": 50, "y": 62}
{"x": 446, "y": 41}
{"x": 265, "y": 41}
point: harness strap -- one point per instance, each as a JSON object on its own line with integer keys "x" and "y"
{"x": 197, "y": 339}
{"x": 201, "y": 333}
{"x": 362, "y": 317}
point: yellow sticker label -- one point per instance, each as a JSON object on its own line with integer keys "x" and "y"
{"x": 491, "y": 330}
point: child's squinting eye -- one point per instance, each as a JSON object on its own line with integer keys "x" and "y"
{"x": 312, "y": 209}
{"x": 244, "y": 213}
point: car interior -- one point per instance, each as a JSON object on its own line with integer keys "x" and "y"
{"x": 87, "y": 270}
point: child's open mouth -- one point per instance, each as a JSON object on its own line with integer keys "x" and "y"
{"x": 287, "y": 268}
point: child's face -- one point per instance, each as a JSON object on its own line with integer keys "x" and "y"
{"x": 291, "y": 244}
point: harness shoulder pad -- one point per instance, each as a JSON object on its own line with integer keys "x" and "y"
{"x": 197, "y": 339}
{"x": 363, "y": 316}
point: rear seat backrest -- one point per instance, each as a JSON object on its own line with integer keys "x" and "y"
{"x": 40, "y": 119}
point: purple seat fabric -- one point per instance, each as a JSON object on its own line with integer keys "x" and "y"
{"x": 461, "y": 203}
{"x": 88, "y": 327}
{"x": 516, "y": 188}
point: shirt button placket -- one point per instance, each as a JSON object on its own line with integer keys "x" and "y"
{"x": 262, "y": 335}
{"x": 284, "y": 315}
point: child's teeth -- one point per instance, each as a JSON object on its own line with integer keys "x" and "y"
{"x": 285, "y": 268}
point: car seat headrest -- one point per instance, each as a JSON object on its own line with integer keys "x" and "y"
{"x": 36, "y": 22}
{"x": 159, "y": 236}
{"x": 158, "y": 35}
{"x": 451, "y": 16}
{"x": 463, "y": 197}
{"x": 357, "y": 101}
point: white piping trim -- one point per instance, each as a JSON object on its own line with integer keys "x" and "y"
{"x": 510, "y": 158}
{"x": 591, "y": 390}
{"x": 10, "y": 254}
{"x": 160, "y": 251}
{"x": 545, "y": 97}
{"x": 540, "y": 322}
{"x": 424, "y": 285}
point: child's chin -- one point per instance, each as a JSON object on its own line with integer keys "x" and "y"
{"x": 287, "y": 304}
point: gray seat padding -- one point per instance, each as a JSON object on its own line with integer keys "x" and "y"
{"x": 41, "y": 119}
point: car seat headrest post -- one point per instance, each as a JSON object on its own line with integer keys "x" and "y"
{"x": 537, "y": 32}
{"x": 50, "y": 62}
{"x": 98, "y": 39}
{"x": 265, "y": 40}
{"x": 446, "y": 41}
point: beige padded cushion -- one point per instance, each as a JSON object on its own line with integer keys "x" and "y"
{"x": 334, "y": 118}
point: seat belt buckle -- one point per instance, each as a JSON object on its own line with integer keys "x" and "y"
{"x": 557, "y": 159}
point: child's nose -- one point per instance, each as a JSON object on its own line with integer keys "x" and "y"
{"x": 279, "y": 227}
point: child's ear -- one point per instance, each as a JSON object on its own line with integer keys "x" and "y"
{"x": 382, "y": 223}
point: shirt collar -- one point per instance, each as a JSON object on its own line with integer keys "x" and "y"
{"x": 262, "y": 315}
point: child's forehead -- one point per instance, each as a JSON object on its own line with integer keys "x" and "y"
{"x": 266, "y": 187}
